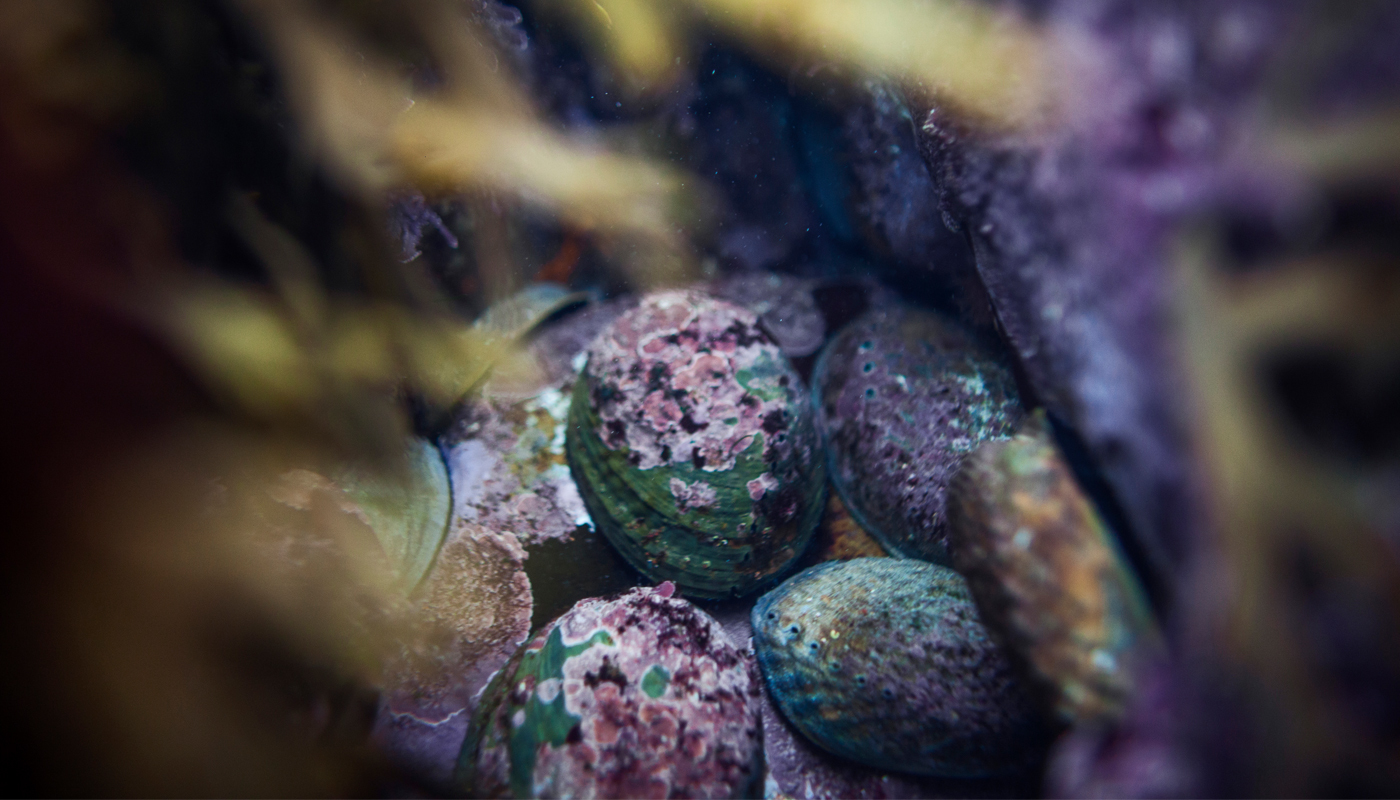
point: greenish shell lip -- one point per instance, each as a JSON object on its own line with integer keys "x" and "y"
{"x": 601, "y": 487}
{"x": 518, "y": 314}
{"x": 409, "y": 513}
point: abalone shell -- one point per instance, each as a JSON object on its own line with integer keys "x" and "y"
{"x": 902, "y": 395}
{"x": 406, "y": 503}
{"x": 884, "y": 661}
{"x": 641, "y": 695}
{"x": 1047, "y": 575}
{"x": 691, "y": 441}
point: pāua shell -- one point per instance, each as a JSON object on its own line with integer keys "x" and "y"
{"x": 1047, "y": 575}
{"x": 407, "y": 504}
{"x": 693, "y": 447}
{"x": 883, "y": 661}
{"x": 902, "y": 396}
{"x": 641, "y": 695}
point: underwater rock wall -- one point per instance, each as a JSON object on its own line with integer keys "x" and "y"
{"x": 1077, "y": 236}
{"x": 1072, "y": 231}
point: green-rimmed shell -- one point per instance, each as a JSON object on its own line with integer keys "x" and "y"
{"x": 641, "y": 695}
{"x": 884, "y": 661}
{"x": 692, "y": 445}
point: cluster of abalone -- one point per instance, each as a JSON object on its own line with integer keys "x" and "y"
{"x": 692, "y": 445}
{"x": 700, "y": 458}
{"x": 906, "y": 665}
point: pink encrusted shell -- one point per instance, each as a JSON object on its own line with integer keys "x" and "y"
{"x": 705, "y": 343}
{"x": 691, "y": 442}
{"x": 640, "y": 695}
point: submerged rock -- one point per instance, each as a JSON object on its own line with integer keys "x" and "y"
{"x": 470, "y": 614}
{"x": 1047, "y": 575}
{"x": 883, "y": 661}
{"x": 902, "y": 396}
{"x": 506, "y": 455}
{"x": 642, "y": 695}
{"x": 786, "y": 307}
{"x": 692, "y": 446}
{"x": 519, "y": 552}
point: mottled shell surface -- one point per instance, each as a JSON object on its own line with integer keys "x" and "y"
{"x": 902, "y": 396}
{"x": 642, "y": 695}
{"x": 883, "y": 661}
{"x": 1047, "y": 575}
{"x": 692, "y": 445}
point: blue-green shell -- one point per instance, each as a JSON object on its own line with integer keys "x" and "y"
{"x": 884, "y": 661}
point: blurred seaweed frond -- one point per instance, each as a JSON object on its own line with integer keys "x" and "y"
{"x": 476, "y": 130}
{"x": 991, "y": 67}
{"x": 1291, "y": 339}
{"x": 470, "y": 129}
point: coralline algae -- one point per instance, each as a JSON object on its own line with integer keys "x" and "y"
{"x": 883, "y": 661}
{"x": 1047, "y": 575}
{"x": 692, "y": 445}
{"x": 641, "y": 695}
{"x": 506, "y": 456}
{"x": 902, "y": 396}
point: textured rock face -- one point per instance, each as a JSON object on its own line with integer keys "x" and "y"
{"x": 883, "y": 661}
{"x": 1074, "y": 233}
{"x": 902, "y": 396}
{"x": 509, "y": 470}
{"x": 472, "y": 613}
{"x": 692, "y": 445}
{"x": 1046, "y": 575}
{"x": 642, "y": 695}
{"x": 896, "y": 207}
{"x": 1072, "y": 229}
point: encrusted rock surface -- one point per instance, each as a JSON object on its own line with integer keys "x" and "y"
{"x": 472, "y": 612}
